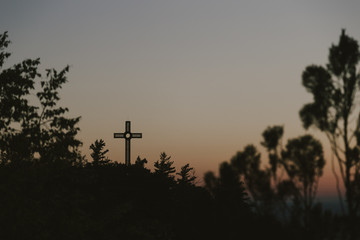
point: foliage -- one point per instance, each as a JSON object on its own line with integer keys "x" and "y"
{"x": 187, "y": 175}
{"x": 304, "y": 162}
{"x": 98, "y": 153}
{"x": 163, "y": 166}
{"x": 232, "y": 205}
{"x": 140, "y": 162}
{"x": 335, "y": 89}
{"x": 272, "y": 142}
{"x": 29, "y": 132}
{"x": 300, "y": 164}
{"x": 257, "y": 181}
{"x": 211, "y": 182}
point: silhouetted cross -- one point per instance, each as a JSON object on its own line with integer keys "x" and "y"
{"x": 128, "y": 135}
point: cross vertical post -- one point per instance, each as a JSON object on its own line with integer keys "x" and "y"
{"x": 128, "y": 135}
{"x": 127, "y": 143}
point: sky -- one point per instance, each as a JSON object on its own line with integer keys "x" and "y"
{"x": 200, "y": 79}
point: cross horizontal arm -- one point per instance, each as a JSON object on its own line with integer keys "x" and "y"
{"x": 136, "y": 135}
{"x": 119, "y": 135}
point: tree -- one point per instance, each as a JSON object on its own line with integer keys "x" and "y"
{"x": 335, "y": 89}
{"x": 304, "y": 162}
{"x": 283, "y": 188}
{"x": 300, "y": 166}
{"x": 140, "y": 162}
{"x": 31, "y": 132}
{"x": 246, "y": 164}
{"x": 272, "y": 142}
{"x": 230, "y": 188}
{"x": 232, "y": 208}
{"x": 98, "y": 153}
{"x": 187, "y": 175}
{"x": 211, "y": 182}
{"x": 164, "y": 165}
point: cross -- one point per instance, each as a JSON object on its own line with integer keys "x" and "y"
{"x": 128, "y": 135}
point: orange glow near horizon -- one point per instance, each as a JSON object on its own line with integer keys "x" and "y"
{"x": 205, "y": 155}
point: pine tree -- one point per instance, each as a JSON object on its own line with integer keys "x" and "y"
{"x": 164, "y": 165}
{"x": 186, "y": 175}
{"x": 98, "y": 154}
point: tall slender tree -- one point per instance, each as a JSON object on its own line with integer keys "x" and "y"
{"x": 272, "y": 142}
{"x": 335, "y": 89}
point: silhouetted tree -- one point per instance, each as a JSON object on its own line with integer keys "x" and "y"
{"x": 272, "y": 142}
{"x": 334, "y": 89}
{"x": 187, "y": 175}
{"x": 283, "y": 188}
{"x": 211, "y": 182}
{"x": 304, "y": 162}
{"x": 257, "y": 181}
{"x": 230, "y": 187}
{"x": 164, "y": 166}
{"x": 232, "y": 207}
{"x": 98, "y": 153}
{"x": 140, "y": 162}
{"x": 29, "y": 132}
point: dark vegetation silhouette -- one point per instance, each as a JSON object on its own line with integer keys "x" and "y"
{"x": 34, "y": 133}
{"x": 334, "y": 111}
{"x": 48, "y": 190}
{"x": 98, "y": 153}
{"x": 187, "y": 175}
{"x": 285, "y": 202}
{"x": 164, "y": 166}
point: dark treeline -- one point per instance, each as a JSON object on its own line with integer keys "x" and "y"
{"x": 107, "y": 201}
{"x": 49, "y": 190}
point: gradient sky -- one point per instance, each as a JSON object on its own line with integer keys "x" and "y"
{"x": 199, "y": 78}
